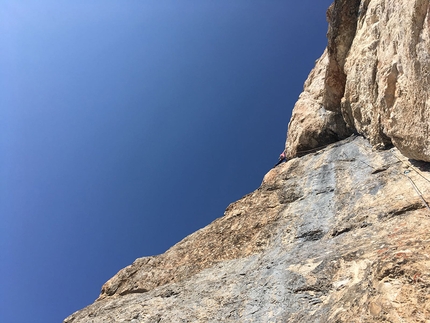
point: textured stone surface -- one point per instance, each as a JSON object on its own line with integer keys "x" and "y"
{"x": 388, "y": 83}
{"x": 311, "y": 124}
{"x": 335, "y": 236}
{"x": 373, "y": 79}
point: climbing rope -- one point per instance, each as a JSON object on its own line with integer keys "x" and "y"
{"x": 304, "y": 152}
{"x": 406, "y": 172}
{"x": 411, "y": 167}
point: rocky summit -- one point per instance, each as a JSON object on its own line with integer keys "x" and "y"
{"x": 338, "y": 233}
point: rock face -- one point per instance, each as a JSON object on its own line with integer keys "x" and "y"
{"x": 373, "y": 79}
{"x": 340, "y": 233}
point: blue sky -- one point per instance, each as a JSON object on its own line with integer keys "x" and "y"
{"x": 127, "y": 125}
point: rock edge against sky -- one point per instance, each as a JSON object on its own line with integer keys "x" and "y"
{"x": 336, "y": 234}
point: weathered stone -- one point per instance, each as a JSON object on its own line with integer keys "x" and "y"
{"x": 311, "y": 124}
{"x": 374, "y": 79}
{"x": 335, "y": 236}
{"x": 342, "y": 18}
{"x": 338, "y": 235}
{"x": 388, "y": 83}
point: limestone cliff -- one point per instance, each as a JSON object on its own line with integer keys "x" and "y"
{"x": 373, "y": 79}
{"x": 340, "y": 235}
{"x": 336, "y": 234}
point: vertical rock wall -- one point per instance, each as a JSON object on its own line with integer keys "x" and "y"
{"x": 339, "y": 235}
{"x": 335, "y": 236}
{"x": 373, "y": 79}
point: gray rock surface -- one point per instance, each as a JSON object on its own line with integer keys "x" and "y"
{"x": 340, "y": 236}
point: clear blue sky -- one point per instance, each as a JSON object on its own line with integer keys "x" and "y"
{"x": 127, "y": 125}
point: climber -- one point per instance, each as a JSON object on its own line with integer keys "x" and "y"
{"x": 282, "y": 158}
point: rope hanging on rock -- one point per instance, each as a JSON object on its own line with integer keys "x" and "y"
{"x": 301, "y": 153}
{"x": 406, "y": 172}
{"x": 416, "y": 188}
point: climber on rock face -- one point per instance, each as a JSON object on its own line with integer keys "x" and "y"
{"x": 282, "y": 158}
